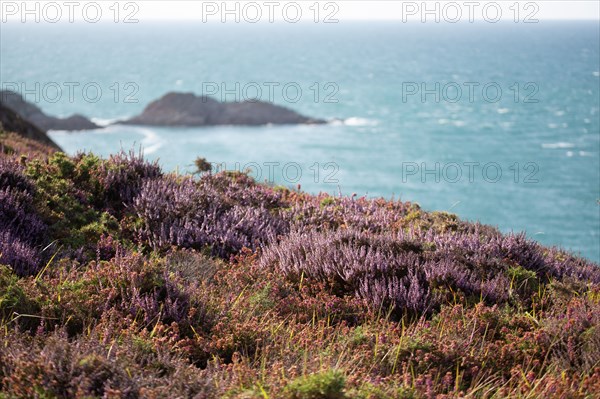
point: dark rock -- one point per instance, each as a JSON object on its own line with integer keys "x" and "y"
{"x": 34, "y": 115}
{"x": 187, "y": 109}
{"x": 10, "y": 121}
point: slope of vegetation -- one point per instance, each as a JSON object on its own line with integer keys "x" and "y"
{"x": 118, "y": 280}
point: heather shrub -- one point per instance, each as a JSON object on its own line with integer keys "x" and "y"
{"x": 378, "y": 215}
{"x": 561, "y": 264}
{"x": 240, "y": 189}
{"x": 21, "y": 256}
{"x": 160, "y": 286}
{"x": 129, "y": 284}
{"x": 11, "y": 175}
{"x": 325, "y": 212}
{"x": 499, "y": 261}
{"x": 574, "y": 335}
{"x": 179, "y": 211}
{"x": 381, "y": 270}
{"x": 18, "y": 216}
{"x": 307, "y": 301}
{"x": 107, "y": 247}
{"x": 89, "y": 366}
{"x": 416, "y": 272}
{"x": 192, "y": 266}
{"x": 21, "y": 229}
{"x": 122, "y": 177}
{"x": 14, "y": 145}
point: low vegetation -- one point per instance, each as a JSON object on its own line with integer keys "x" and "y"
{"x": 118, "y": 280}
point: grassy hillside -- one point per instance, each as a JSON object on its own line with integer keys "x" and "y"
{"x": 120, "y": 280}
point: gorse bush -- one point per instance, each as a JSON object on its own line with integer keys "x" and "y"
{"x": 80, "y": 198}
{"x": 118, "y": 280}
{"x": 13, "y": 300}
{"x": 327, "y": 385}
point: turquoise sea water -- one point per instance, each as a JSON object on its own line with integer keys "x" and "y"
{"x": 542, "y": 133}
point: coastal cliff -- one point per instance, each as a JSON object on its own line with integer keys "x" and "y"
{"x": 11, "y": 122}
{"x": 34, "y": 115}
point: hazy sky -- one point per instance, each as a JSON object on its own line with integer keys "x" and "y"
{"x": 395, "y": 10}
{"x": 304, "y": 10}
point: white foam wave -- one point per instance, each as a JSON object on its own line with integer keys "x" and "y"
{"x": 457, "y": 123}
{"x": 105, "y": 122}
{"x": 151, "y": 142}
{"x": 356, "y": 121}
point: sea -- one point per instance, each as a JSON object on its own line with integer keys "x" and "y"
{"x": 497, "y": 123}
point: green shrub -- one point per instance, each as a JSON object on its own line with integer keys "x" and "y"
{"x": 327, "y": 201}
{"x": 325, "y": 385}
{"x": 14, "y": 301}
{"x": 523, "y": 282}
{"x": 370, "y": 391}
